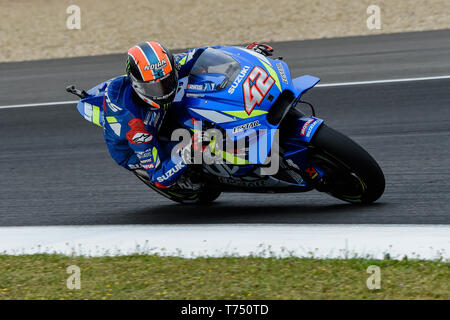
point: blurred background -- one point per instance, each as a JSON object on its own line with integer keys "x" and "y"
{"x": 37, "y": 29}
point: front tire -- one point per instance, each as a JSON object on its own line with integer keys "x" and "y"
{"x": 351, "y": 174}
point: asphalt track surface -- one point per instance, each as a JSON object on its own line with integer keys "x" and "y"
{"x": 55, "y": 168}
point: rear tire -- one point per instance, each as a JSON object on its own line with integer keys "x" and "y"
{"x": 351, "y": 174}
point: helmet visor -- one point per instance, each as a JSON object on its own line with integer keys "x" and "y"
{"x": 157, "y": 90}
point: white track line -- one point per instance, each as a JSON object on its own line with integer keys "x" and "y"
{"x": 38, "y": 104}
{"x": 356, "y": 83}
{"x": 319, "y": 241}
{"x": 337, "y": 84}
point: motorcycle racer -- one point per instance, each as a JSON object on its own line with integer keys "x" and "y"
{"x": 135, "y": 105}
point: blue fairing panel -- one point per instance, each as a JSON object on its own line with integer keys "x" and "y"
{"x": 304, "y": 83}
{"x": 91, "y": 106}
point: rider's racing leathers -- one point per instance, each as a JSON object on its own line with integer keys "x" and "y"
{"x": 131, "y": 130}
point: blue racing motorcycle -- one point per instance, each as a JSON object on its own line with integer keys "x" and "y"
{"x": 251, "y": 101}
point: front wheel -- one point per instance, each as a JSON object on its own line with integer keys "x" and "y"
{"x": 351, "y": 174}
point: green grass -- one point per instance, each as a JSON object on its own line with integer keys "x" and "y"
{"x": 155, "y": 277}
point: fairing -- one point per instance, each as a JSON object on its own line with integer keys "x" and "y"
{"x": 236, "y": 99}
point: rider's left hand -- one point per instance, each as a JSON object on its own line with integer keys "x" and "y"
{"x": 261, "y": 48}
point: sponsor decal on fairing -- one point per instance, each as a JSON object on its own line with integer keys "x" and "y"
{"x": 311, "y": 128}
{"x": 241, "y": 182}
{"x": 195, "y": 95}
{"x": 305, "y": 126}
{"x": 238, "y": 79}
{"x": 282, "y": 74}
{"x": 246, "y": 126}
{"x": 210, "y": 86}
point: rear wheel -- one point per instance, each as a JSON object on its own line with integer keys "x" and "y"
{"x": 351, "y": 174}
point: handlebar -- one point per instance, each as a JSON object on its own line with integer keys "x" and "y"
{"x": 73, "y": 90}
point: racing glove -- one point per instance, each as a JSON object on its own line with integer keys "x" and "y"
{"x": 195, "y": 145}
{"x": 261, "y": 48}
{"x": 200, "y": 142}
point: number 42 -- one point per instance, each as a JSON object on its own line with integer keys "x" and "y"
{"x": 254, "y": 94}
